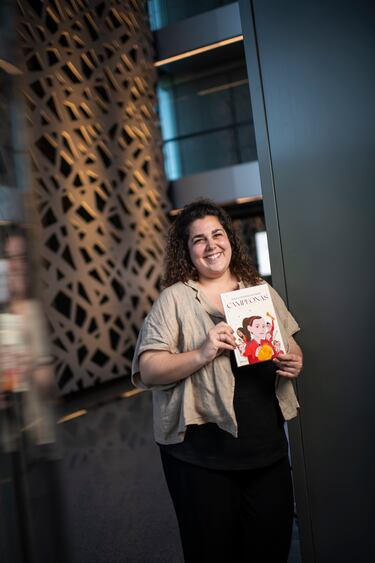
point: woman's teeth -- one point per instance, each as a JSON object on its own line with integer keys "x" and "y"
{"x": 213, "y": 257}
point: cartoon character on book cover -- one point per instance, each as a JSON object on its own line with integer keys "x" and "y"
{"x": 258, "y": 339}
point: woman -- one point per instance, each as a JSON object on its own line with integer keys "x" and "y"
{"x": 219, "y": 427}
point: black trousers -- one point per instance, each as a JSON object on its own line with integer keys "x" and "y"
{"x": 232, "y": 516}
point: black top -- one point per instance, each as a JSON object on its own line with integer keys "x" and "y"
{"x": 261, "y": 438}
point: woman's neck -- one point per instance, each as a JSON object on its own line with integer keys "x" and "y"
{"x": 226, "y": 282}
{"x": 212, "y": 289}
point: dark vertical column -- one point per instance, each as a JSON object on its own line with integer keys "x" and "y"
{"x": 13, "y": 179}
{"x": 312, "y": 82}
{"x": 98, "y": 181}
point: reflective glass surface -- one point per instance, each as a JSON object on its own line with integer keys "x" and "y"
{"x": 165, "y": 12}
{"x": 206, "y": 119}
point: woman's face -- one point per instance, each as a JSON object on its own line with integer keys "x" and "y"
{"x": 209, "y": 247}
{"x": 15, "y": 253}
{"x": 257, "y": 329}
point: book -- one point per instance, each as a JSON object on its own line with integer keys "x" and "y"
{"x": 13, "y": 350}
{"x": 251, "y": 314}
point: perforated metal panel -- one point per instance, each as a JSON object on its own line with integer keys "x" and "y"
{"x": 98, "y": 179}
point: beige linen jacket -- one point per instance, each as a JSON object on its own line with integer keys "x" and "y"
{"x": 178, "y": 322}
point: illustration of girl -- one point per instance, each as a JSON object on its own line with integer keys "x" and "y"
{"x": 258, "y": 348}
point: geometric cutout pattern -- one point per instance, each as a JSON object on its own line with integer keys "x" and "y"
{"x": 98, "y": 181}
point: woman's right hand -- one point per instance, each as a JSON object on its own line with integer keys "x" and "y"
{"x": 219, "y": 338}
{"x": 162, "y": 367}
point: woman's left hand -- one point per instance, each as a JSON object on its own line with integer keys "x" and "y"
{"x": 288, "y": 365}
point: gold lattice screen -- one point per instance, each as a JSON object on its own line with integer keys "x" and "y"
{"x": 98, "y": 178}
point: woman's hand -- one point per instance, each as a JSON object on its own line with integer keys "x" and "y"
{"x": 219, "y": 338}
{"x": 290, "y": 365}
{"x": 163, "y": 367}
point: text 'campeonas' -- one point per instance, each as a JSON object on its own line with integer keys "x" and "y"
{"x": 247, "y": 301}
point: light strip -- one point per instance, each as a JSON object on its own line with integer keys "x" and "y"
{"x": 222, "y": 87}
{"x": 248, "y": 199}
{"x": 72, "y": 416}
{"x": 82, "y": 412}
{"x": 193, "y": 52}
{"x": 131, "y": 393}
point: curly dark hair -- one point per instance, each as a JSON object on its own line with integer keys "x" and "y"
{"x": 178, "y": 264}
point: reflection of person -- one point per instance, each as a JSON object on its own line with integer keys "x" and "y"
{"x": 258, "y": 348}
{"x": 27, "y": 418}
{"x": 33, "y": 360}
{"x": 219, "y": 427}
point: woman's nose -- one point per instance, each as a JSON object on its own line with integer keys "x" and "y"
{"x": 210, "y": 243}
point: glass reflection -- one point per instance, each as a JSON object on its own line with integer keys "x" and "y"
{"x": 28, "y": 448}
{"x": 166, "y": 12}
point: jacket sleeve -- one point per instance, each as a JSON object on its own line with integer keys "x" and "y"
{"x": 160, "y": 331}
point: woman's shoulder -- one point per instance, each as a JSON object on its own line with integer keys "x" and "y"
{"x": 243, "y": 283}
{"x": 177, "y": 290}
{"x": 276, "y": 298}
{"x": 170, "y": 305}
{"x": 174, "y": 295}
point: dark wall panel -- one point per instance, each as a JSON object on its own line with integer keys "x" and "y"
{"x": 314, "y": 83}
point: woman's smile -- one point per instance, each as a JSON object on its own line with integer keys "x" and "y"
{"x": 213, "y": 257}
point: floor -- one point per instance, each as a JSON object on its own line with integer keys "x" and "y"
{"x": 116, "y": 505}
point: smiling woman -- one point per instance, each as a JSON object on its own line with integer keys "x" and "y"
{"x": 220, "y": 428}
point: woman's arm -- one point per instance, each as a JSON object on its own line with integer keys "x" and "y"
{"x": 290, "y": 365}
{"x": 161, "y": 367}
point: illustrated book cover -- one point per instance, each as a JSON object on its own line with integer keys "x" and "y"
{"x": 251, "y": 314}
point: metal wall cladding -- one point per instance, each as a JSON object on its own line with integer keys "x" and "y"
{"x": 98, "y": 179}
